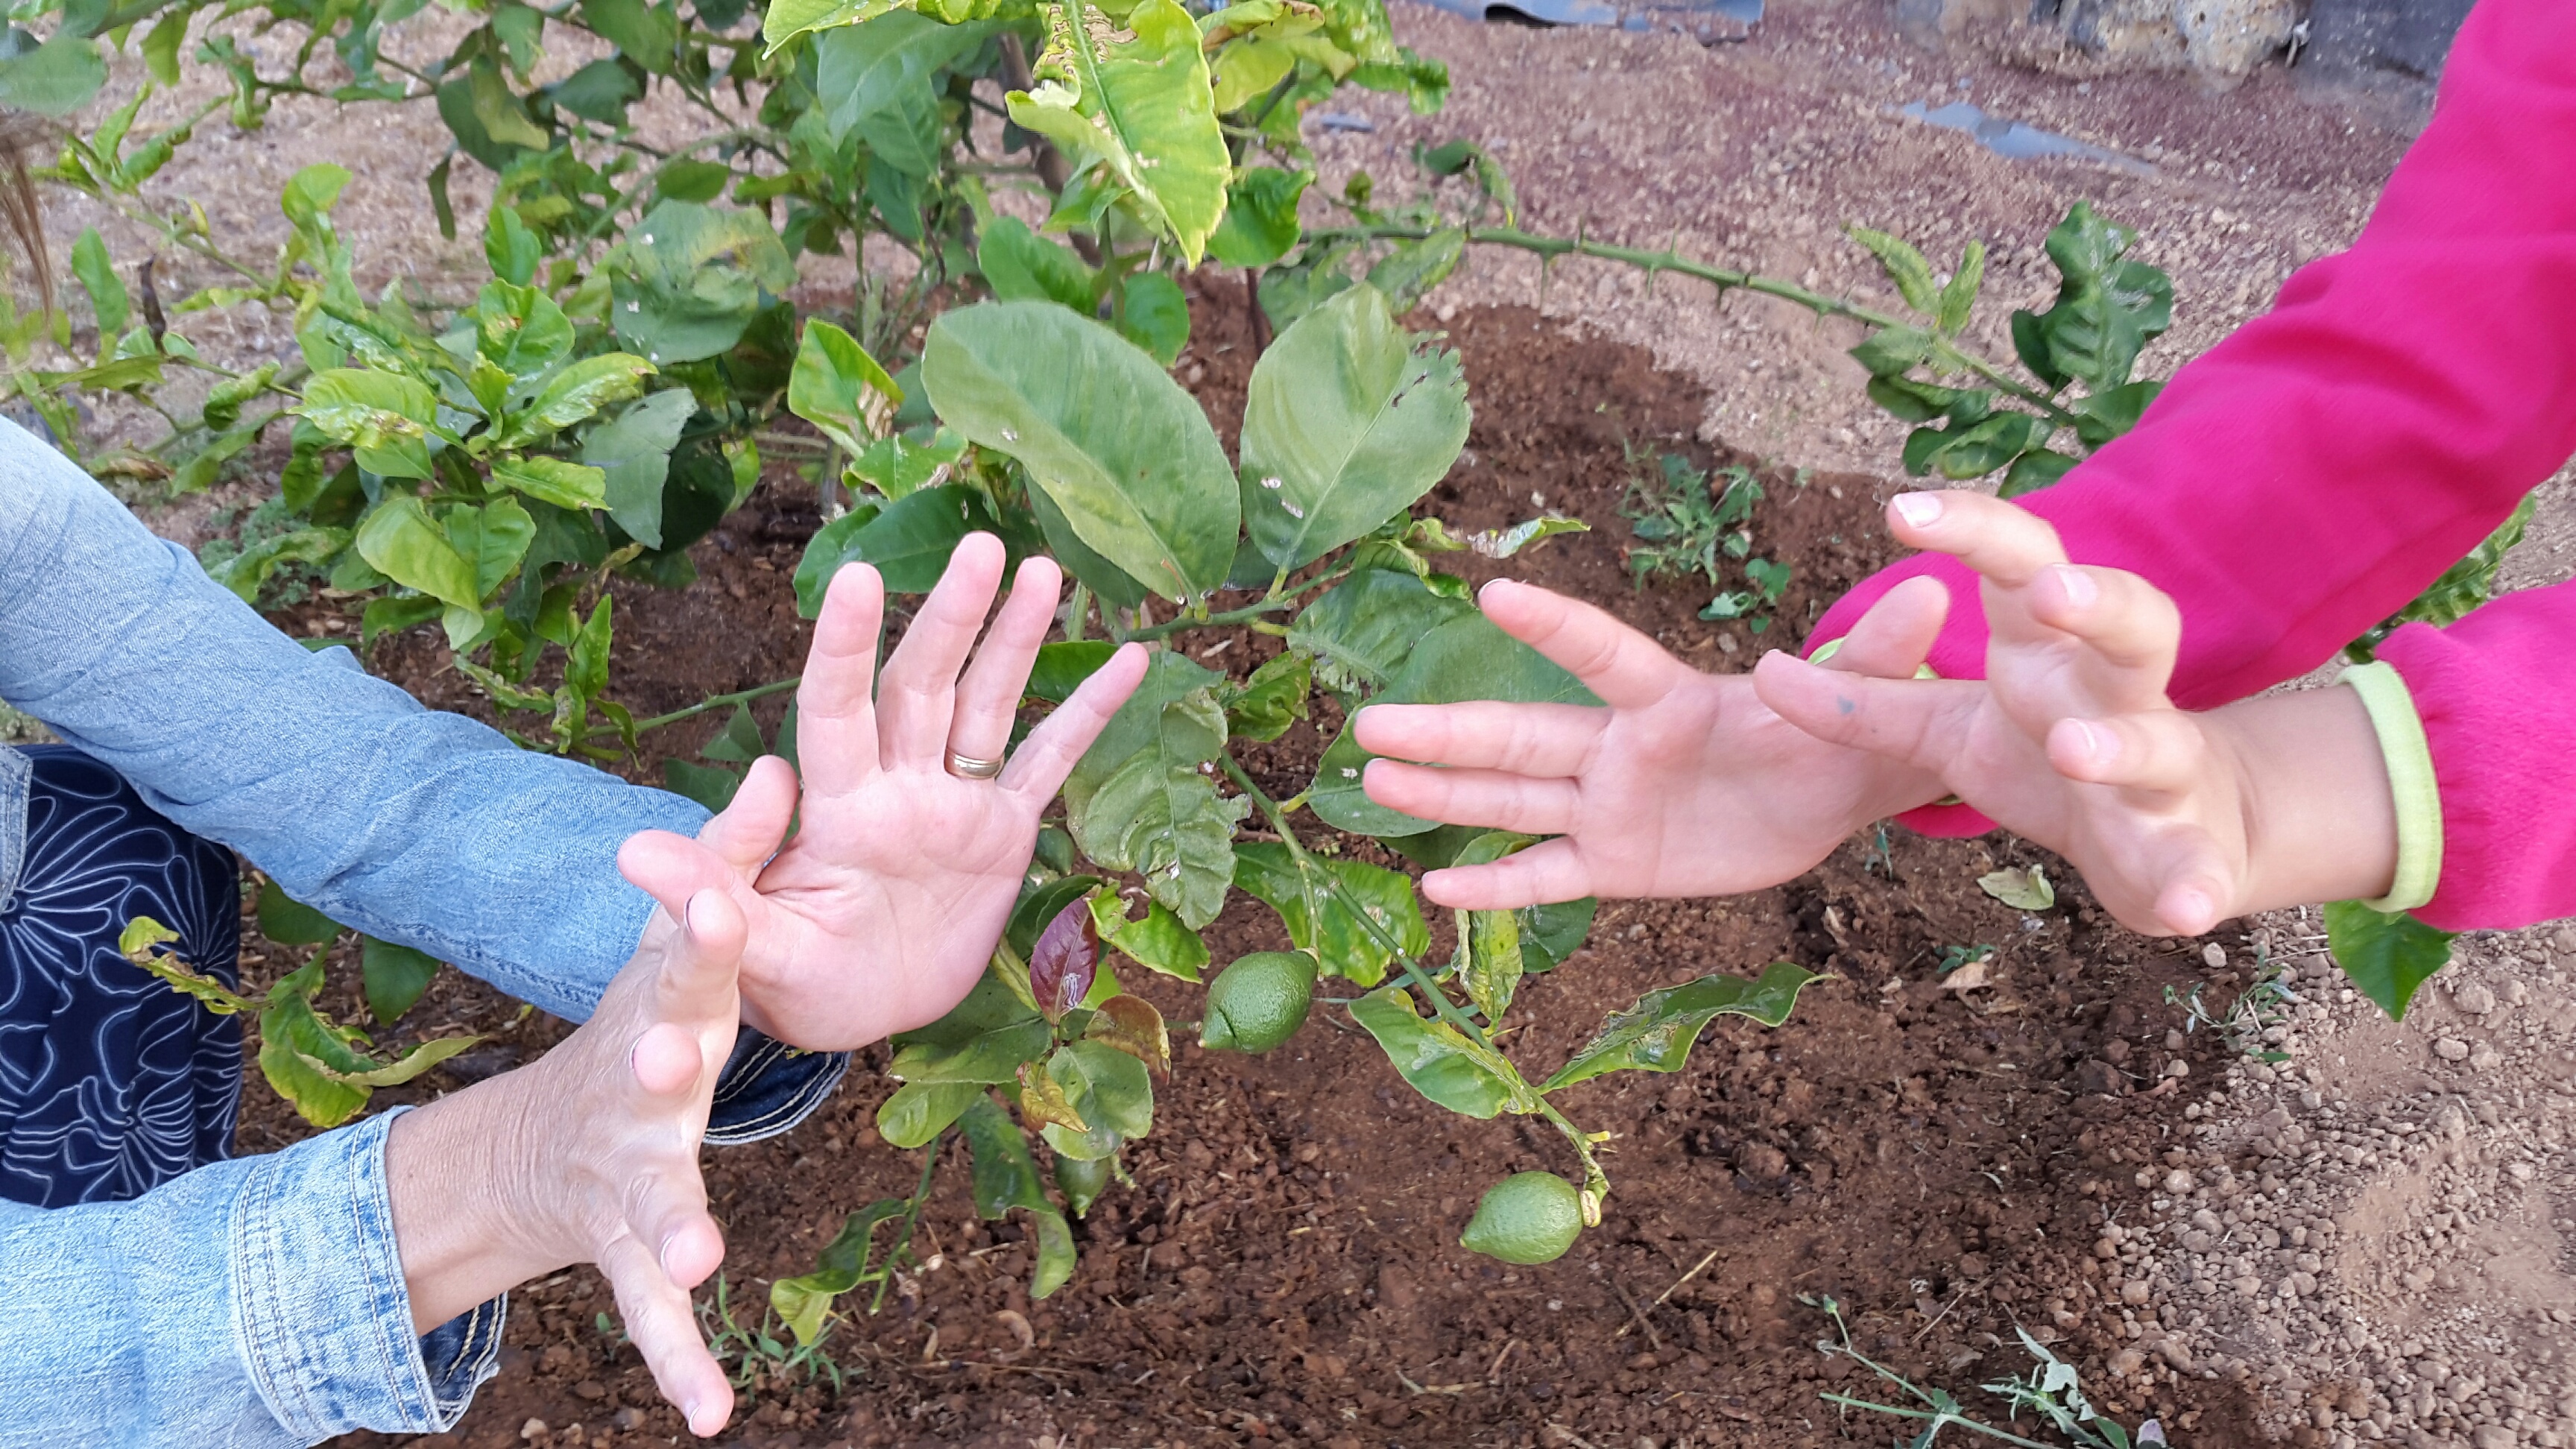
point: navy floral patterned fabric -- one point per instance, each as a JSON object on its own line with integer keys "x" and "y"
{"x": 111, "y": 1083}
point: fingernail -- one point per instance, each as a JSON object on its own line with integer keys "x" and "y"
{"x": 2080, "y": 589}
{"x": 1918, "y": 509}
{"x": 2098, "y": 745}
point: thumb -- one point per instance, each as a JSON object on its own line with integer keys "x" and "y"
{"x": 746, "y": 833}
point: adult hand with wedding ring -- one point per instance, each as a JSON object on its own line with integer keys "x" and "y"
{"x": 916, "y": 818}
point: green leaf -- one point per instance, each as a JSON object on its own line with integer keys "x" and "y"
{"x": 1154, "y": 315}
{"x": 245, "y": 572}
{"x": 509, "y": 247}
{"x": 1126, "y": 455}
{"x": 1160, "y": 943}
{"x": 898, "y": 467}
{"x": 1362, "y": 629}
{"x": 2023, "y": 890}
{"x": 600, "y": 91}
{"x": 1505, "y": 542}
{"x": 1113, "y": 586}
{"x": 98, "y": 277}
{"x": 1021, "y": 266}
{"x": 1260, "y": 222}
{"x": 386, "y": 419}
{"x": 586, "y": 668}
{"x": 1551, "y": 933}
{"x": 136, "y": 942}
{"x": 909, "y": 543}
{"x": 649, "y": 35}
{"x": 1657, "y": 1033}
{"x": 879, "y": 78}
{"x": 1062, "y": 667}
{"x": 555, "y": 480}
{"x": 1348, "y": 420}
{"x": 1320, "y": 923}
{"x": 1138, "y": 724}
{"x": 493, "y": 538}
{"x": 161, "y": 44}
{"x": 1142, "y": 111}
{"x": 2107, "y": 309}
{"x": 1466, "y": 658}
{"x": 1492, "y": 970}
{"x": 391, "y": 1074}
{"x": 692, "y": 280}
{"x": 499, "y": 110}
{"x": 1440, "y": 1062}
{"x": 840, "y": 389}
{"x": 395, "y": 976}
{"x": 991, "y": 1056}
{"x": 2035, "y": 470}
{"x": 575, "y": 393}
{"x": 56, "y": 78}
{"x": 1271, "y": 700}
{"x": 1159, "y": 815}
{"x": 787, "y": 19}
{"x": 402, "y": 542}
{"x": 1959, "y": 298}
{"x": 1111, "y": 1091}
{"x": 1891, "y": 351}
{"x": 1408, "y": 273}
{"x": 712, "y": 786}
{"x": 2387, "y": 954}
{"x": 692, "y": 180}
{"x": 2106, "y": 415}
{"x": 633, "y": 455}
{"x": 1904, "y": 265}
{"x": 290, "y": 922}
{"x": 919, "y": 1111}
{"x": 802, "y": 1302}
{"x": 1006, "y": 1177}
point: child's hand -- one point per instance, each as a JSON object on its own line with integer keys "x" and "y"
{"x": 2070, "y": 740}
{"x": 1685, "y": 786}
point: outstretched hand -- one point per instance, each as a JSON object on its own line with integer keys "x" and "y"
{"x": 2070, "y": 739}
{"x": 1685, "y": 784}
{"x": 879, "y": 915}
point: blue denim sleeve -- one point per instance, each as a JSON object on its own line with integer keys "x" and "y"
{"x": 408, "y": 823}
{"x": 254, "y": 1302}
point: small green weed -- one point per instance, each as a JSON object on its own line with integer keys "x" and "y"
{"x": 2050, "y": 1393}
{"x": 765, "y": 1353}
{"x": 1684, "y": 525}
{"x": 292, "y": 580}
{"x": 2262, "y": 1006}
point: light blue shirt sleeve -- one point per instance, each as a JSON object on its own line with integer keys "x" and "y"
{"x": 408, "y": 823}
{"x": 248, "y": 1304}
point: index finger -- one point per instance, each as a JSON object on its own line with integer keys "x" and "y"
{"x": 1625, "y": 668}
{"x": 2005, "y": 544}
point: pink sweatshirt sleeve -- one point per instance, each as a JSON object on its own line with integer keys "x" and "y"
{"x": 2497, "y": 695}
{"x": 2305, "y": 478}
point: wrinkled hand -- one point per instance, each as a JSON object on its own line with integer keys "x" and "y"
{"x": 1685, "y": 785}
{"x": 879, "y": 915}
{"x": 2070, "y": 739}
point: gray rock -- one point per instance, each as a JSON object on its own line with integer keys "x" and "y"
{"x": 2231, "y": 37}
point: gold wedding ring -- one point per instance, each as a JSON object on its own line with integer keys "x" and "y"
{"x": 967, "y": 767}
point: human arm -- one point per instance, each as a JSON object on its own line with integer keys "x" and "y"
{"x": 2306, "y": 477}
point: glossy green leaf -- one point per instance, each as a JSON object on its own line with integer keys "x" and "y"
{"x": 500, "y": 111}
{"x": 648, "y": 34}
{"x": 394, "y": 976}
{"x": 2035, "y": 470}
{"x": 1408, "y": 273}
{"x": 840, "y": 389}
{"x": 1260, "y": 223}
{"x": 493, "y": 538}
{"x": 1137, "y": 725}
{"x": 404, "y": 544}
{"x": 510, "y": 248}
{"x": 162, "y": 43}
{"x": 1038, "y": 907}
{"x": 1141, "y": 110}
{"x": 56, "y": 78}
{"x": 991, "y": 1056}
{"x": 1159, "y": 813}
{"x": 1440, "y": 1062}
{"x": 1062, "y": 667}
{"x": 2108, "y": 307}
{"x": 1110, "y": 583}
{"x": 1159, "y": 942}
{"x": 633, "y": 454}
{"x": 577, "y": 392}
{"x": 909, "y": 543}
{"x": 557, "y": 481}
{"x": 1111, "y": 1090}
{"x": 1005, "y": 1177}
{"x": 1362, "y": 629}
{"x": 710, "y": 785}
{"x": 693, "y": 279}
{"x": 1347, "y": 422}
{"x": 2387, "y": 954}
{"x": 918, "y": 1112}
{"x": 1154, "y": 315}
{"x": 1126, "y": 455}
{"x": 246, "y": 571}
{"x": 879, "y": 79}
{"x": 1021, "y": 266}
{"x": 898, "y": 467}
{"x": 784, "y": 20}
{"x": 385, "y": 418}
{"x": 1551, "y": 933}
{"x": 1657, "y": 1033}
{"x": 1319, "y": 920}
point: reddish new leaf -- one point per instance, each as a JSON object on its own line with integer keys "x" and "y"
{"x": 1063, "y": 961}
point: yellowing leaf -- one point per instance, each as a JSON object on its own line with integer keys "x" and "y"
{"x": 2023, "y": 890}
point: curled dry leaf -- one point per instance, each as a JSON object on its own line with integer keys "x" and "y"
{"x": 1132, "y": 1025}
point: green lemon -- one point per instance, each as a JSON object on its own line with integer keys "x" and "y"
{"x": 1259, "y": 1001}
{"x": 1529, "y": 1217}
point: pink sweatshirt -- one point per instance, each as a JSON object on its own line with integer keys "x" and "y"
{"x": 2308, "y": 476}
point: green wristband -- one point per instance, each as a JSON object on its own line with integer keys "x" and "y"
{"x": 2417, "y": 793}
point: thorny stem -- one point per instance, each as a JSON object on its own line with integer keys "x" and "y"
{"x": 1722, "y": 278}
{"x": 718, "y": 701}
{"x": 1244, "y": 615}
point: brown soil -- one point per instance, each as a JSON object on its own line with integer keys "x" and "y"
{"x": 1286, "y": 1267}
